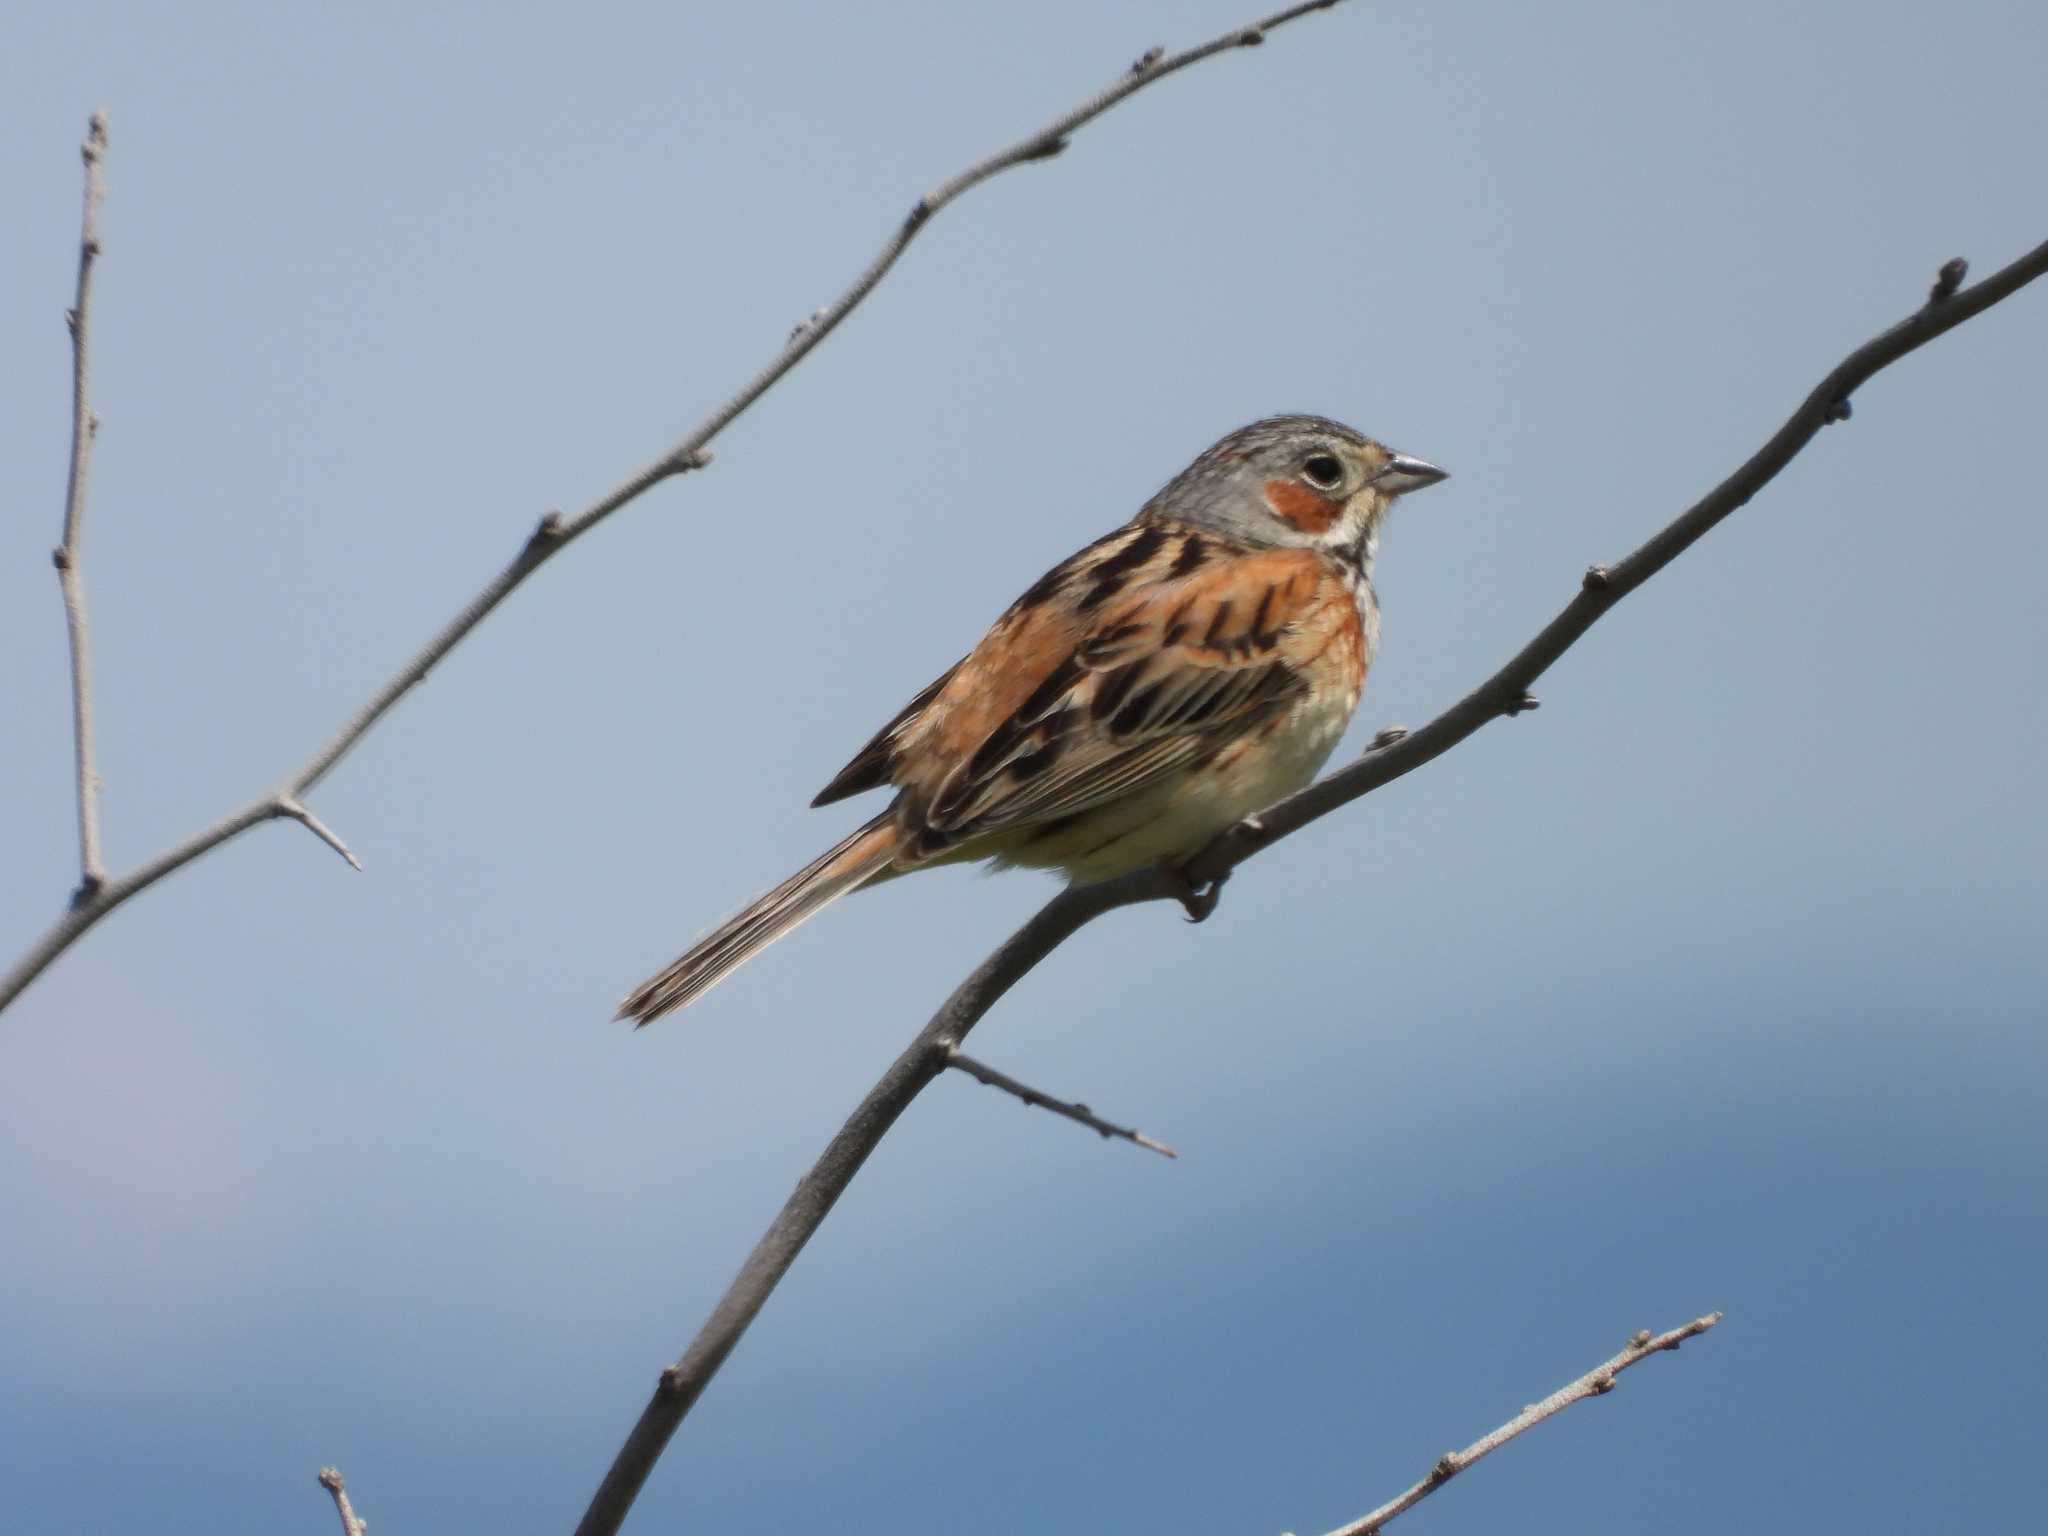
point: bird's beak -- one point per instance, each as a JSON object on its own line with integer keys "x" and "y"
{"x": 1403, "y": 474}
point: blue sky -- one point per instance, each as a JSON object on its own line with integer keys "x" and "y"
{"x": 1716, "y": 983}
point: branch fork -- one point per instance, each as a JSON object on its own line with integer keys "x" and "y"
{"x": 290, "y": 808}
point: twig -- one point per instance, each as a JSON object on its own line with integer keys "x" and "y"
{"x": 1391, "y": 756}
{"x": 66, "y": 557}
{"x": 351, "y": 1523}
{"x": 555, "y": 532}
{"x": 1594, "y": 1383}
{"x": 1080, "y": 1114}
{"x": 288, "y": 807}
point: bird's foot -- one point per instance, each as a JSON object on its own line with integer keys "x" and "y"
{"x": 1197, "y": 901}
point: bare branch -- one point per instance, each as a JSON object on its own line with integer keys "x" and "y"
{"x": 1595, "y": 1383}
{"x": 1080, "y": 1114}
{"x": 99, "y": 896}
{"x": 1393, "y": 753}
{"x": 351, "y": 1523}
{"x": 85, "y": 428}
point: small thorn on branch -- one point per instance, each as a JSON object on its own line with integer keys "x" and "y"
{"x": 1522, "y": 704}
{"x": 1948, "y": 280}
{"x": 1597, "y": 579}
{"x": 292, "y": 809}
{"x": 1080, "y": 1114}
{"x": 1839, "y": 410}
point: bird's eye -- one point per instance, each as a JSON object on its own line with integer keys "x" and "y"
{"x": 1323, "y": 472}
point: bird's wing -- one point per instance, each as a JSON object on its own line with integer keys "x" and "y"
{"x": 872, "y": 765}
{"x": 878, "y": 762}
{"x": 1143, "y": 655}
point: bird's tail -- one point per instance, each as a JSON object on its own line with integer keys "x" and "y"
{"x": 740, "y": 937}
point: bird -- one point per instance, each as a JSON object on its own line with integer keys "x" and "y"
{"x": 1185, "y": 671}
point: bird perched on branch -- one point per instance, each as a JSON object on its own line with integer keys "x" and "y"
{"x": 1189, "y": 669}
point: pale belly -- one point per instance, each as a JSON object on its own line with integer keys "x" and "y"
{"x": 1179, "y": 816}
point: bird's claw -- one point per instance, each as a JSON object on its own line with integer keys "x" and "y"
{"x": 1197, "y": 901}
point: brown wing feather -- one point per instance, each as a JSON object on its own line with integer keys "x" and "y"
{"x": 872, "y": 765}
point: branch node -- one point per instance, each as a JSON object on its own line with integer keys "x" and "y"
{"x": 1598, "y": 578}
{"x": 917, "y": 216}
{"x": 1604, "y": 1385}
{"x": 1251, "y": 37}
{"x": 1387, "y": 737}
{"x": 1839, "y": 409}
{"x": 89, "y": 885}
{"x": 1445, "y": 1469}
{"x": 1948, "y": 280}
{"x": 1147, "y": 61}
{"x": 805, "y": 326}
{"x": 1521, "y": 704}
{"x": 1639, "y": 1338}
{"x": 546, "y": 532}
{"x": 1052, "y": 144}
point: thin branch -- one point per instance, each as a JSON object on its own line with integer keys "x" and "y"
{"x": 555, "y": 532}
{"x": 1080, "y": 1114}
{"x": 351, "y": 1523}
{"x": 805, "y": 1211}
{"x": 1393, "y": 754}
{"x": 85, "y": 427}
{"x": 1595, "y": 1383}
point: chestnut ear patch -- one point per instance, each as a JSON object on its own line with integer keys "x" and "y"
{"x": 1299, "y": 507}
